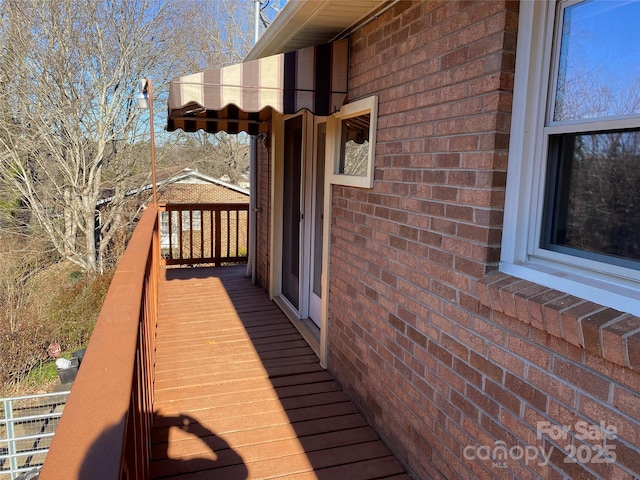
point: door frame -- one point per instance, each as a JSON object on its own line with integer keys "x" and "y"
{"x": 317, "y": 338}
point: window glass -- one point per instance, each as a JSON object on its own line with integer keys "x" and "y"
{"x": 191, "y": 220}
{"x": 592, "y": 196}
{"x": 321, "y": 134}
{"x": 354, "y": 146}
{"x": 598, "y": 72}
{"x": 351, "y": 140}
{"x": 572, "y": 202}
{"x": 593, "y": 201}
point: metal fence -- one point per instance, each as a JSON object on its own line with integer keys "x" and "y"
{"x": 27, "y": 425}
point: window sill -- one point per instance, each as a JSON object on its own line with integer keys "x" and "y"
{"x": 602, "y": 331}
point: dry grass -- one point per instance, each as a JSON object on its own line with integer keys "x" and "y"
{"x": 41, "y": 304}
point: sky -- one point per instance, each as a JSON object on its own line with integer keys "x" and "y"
{"x": 601, "y": 50}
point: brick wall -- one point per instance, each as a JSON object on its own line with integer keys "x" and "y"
{"x": 263, "y": 202}
{"x": 200, "y": 193}
{"x": 419, "y": 334}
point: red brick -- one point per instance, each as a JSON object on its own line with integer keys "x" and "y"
{"x": 507, "y": 296}
{"x": 555, "y": 387}
{"x": 575, "y": 471}
{"x": 417, "y": 337}
{"x": 529, "y": 351}
{"x": 627, "y": 402}
{"x": 454, "y": 382}
{"x": 633, "y": 351}
{"x": 597, "y": 412}
{"x": 457, "y": 315}
{"x": 473, "y": 232}
{"x": 470, "y": 267}
{"x": 629, "y": 457}
{"x": 591, "y": 328}
{"x": 484, "y": 401}
{"x": 522, "y": 296}
{"x": 559, "y": 346}
{"x": 496, "y": 430}
{"x": 494, "y": 291}
{"x": 571, "y": 321}
{"x": 471, "y": 340}
{"x": 489, "y": 330}
{"x": 470, "y": 374}
{"x": 508, "y": 361}
{"x": 518, "y": 427}
{"x": 440, "y": 353}
{"x": 621, "y": 375}
{"x": 485, "y": 366}
{"x": 582, "y": 378}
{"x": 613, "y": 343}
{"x": 561, "y": 415}
{"x": 483, "y": 293}
{"x": 454, "y": 346}
{"x": 525, "y": 391}
{"x": 551, "y": 313}
{"x": 535, "y": 305}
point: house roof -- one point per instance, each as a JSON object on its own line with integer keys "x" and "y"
{"x": 306, "y": 23}
{"x": 188, "y": 175}
{"x": 192, "y": 179}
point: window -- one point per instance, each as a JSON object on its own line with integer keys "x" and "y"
{"x": 572, "y": 215}
{"x": 168, "y": 240}
{"x": 191, "y": 220}
{"x": 352, "y": 138}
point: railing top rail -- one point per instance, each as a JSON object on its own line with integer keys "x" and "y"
{"x": 37, "y": 396}
{"x": 204, "y": 206}
{"x": 96, "y": 411}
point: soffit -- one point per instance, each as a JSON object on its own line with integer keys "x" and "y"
{"x": 306, "y": 23}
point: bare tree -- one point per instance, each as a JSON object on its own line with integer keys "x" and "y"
{"x": 224, "y": 36}
{"x": 68, "y": 72}
{"x": 68, "y": 124}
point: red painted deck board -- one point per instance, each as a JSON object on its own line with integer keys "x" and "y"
{"x": 240, "y": 395}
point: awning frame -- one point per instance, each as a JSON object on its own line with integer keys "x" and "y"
{"x": 242, "y": 97}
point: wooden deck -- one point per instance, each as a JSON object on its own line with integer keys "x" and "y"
{"x": 239, "y": 394}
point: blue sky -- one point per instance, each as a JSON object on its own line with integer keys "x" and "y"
{"x": 601, "y": 55}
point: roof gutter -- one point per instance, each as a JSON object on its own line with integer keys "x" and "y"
{"x": 285, "y": 18}
{"x": 368, "y": 19}
{"x": 295, "y": 17}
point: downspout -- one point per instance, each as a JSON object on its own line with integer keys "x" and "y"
{"x": 253, "y": 182}
{"x": 253, "y": 211}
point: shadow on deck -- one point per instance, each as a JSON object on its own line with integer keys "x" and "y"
{"x": 239, "y": 394}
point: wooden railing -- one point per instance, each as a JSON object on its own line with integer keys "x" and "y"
{"x": 104, "y": 432}
{"x": 200, "y": 234}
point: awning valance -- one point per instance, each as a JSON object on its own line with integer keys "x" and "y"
{"x": 241, "y": 98}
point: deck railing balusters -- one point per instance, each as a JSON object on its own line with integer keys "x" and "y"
{"x": 223, "y": 242}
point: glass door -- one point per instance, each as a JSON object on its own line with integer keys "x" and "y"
{"x": 291, "y": 210}
{"x": 316, "y": 200}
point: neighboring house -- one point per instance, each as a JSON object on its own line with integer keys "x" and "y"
{"x": 187, "y": 186}
{"x": 448, "y": 208}
{"x": 192, "y": 228}
{"x": 191, "y": 186}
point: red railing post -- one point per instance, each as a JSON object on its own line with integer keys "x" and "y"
{"x": 218, "y": 237}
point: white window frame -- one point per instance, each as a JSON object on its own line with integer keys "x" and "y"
{"x": 609, "y": 285}
{"x": 365, "y": 106}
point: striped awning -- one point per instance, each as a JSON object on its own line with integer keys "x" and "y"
{"x": 241, "y": 98}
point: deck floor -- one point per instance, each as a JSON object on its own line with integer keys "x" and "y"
{"x": 239, "y": 394}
